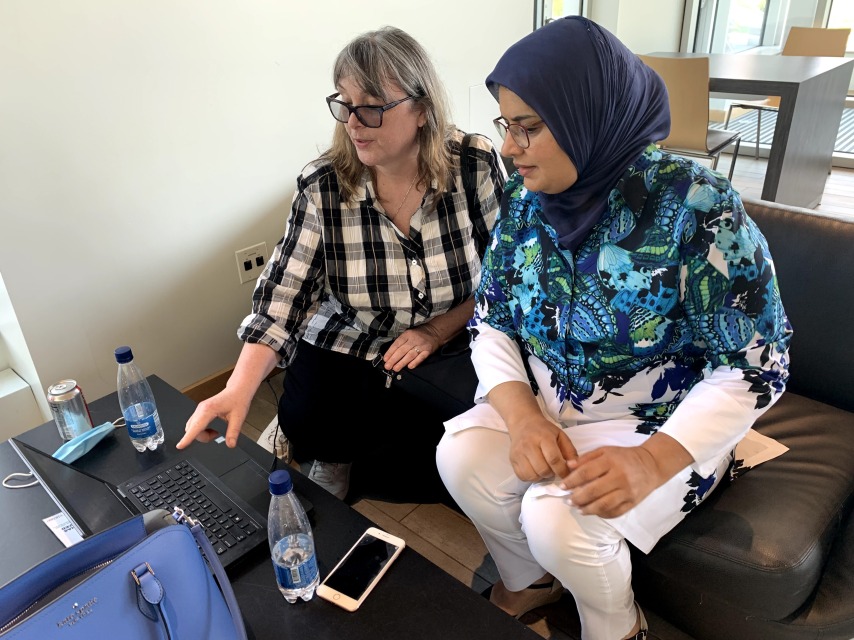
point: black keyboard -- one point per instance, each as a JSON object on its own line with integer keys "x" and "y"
{"x": 232, "y": 528}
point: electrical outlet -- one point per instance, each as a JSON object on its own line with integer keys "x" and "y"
{"x": 251, "y": 261}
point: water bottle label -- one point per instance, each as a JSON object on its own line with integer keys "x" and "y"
{"x": 297, "y": 577}
{"x": 141, "y": 427}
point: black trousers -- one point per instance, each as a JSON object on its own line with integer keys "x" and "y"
{"x": 336, "y": 408}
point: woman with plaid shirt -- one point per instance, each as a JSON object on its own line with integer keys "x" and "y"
{"x": 378, "y": 265}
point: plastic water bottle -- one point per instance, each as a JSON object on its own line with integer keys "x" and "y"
{"x": 291, "y": 541}
{"x": 137, "y": 403}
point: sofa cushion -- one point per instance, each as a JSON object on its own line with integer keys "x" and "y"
{"x": 761, "y": 542}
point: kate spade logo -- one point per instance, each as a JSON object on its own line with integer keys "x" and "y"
{"x": 79, "y": 611}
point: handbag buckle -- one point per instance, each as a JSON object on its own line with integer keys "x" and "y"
{"x": 182, "y": 516}
{"x": 136, "y": 577}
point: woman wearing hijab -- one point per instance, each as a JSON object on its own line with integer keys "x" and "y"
{"x": 628, "y": 331}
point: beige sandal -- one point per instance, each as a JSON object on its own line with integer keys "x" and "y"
{"x": 644, "y": 627}
{"x": 537, "y": 595}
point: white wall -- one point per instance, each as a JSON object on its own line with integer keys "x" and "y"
{"x": 143, "y": 142}
{"x": 20, "y": 409}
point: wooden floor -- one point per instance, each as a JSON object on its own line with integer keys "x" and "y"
{"x": 447, "y": 538}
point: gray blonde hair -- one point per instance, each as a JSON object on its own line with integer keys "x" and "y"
{"x": 374, "y": 60}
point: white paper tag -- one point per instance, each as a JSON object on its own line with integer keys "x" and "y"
{"x": 64, "y": 529}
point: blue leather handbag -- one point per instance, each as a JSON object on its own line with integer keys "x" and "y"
{"x": 154, "y": 576}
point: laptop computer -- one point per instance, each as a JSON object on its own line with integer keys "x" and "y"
{"x": 232, "y": 522}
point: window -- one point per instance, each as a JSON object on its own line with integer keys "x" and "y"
{"x": 731, "y": 26}
{"x": 842, "y": 15}
{"x": 745, "y": 23}
{"x": 547, "y": 10}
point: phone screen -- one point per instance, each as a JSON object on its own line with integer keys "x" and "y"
{"x": 362, "y": 565}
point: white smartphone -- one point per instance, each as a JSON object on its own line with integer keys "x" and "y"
{"x": 355, "y": 576}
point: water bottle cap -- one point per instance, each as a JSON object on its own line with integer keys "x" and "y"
{"x": 280, "y": 482}
{"x": 123, "y": 355}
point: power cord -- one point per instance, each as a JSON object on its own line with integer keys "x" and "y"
{"x": 275, "y": 463}
{"x": 8, "y": 480}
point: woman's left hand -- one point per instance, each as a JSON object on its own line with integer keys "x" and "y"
{"x": 609, "y": 481}
{"x": 411, "y": 348}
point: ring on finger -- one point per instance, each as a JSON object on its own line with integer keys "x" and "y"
{"x": 416, "y": 349}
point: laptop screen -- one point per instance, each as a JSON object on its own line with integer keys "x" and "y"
{"x": 88, "y": 501}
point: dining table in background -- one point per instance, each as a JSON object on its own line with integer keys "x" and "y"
{"x": 812, "y": 94}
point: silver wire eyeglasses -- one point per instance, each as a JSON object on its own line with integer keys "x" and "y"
{"x": 368, "y": 114}
{"x": 518, "y": 132}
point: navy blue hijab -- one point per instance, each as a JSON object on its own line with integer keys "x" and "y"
{"x": 601, "y": 103}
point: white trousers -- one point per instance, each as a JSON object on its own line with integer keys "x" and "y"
{"x": 528, "y": 536}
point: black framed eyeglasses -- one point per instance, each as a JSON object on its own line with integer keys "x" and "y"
{"x": 516, "y": 131}
{"x": 368, "y": 114}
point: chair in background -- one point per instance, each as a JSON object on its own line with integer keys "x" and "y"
{"x": 801, "y": 41}
{"x": 687, "y": 82}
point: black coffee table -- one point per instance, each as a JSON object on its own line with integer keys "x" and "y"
{"x": 415, "y": 600}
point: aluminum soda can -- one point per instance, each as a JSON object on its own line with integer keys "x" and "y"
{"x": 69, "y": 409}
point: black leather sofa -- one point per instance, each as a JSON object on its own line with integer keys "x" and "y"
{"x": 770, "y": 556}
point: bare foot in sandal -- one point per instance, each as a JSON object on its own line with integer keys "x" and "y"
{"x": 517, "y": 603}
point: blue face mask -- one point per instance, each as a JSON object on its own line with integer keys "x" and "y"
{"x": 82, "y": 444}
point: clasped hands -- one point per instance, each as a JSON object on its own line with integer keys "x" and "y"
{"x": 605, "y": 482}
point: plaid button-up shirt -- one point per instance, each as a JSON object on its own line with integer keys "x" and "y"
{"x": 344, "y": 278}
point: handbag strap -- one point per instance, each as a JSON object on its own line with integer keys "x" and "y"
{"x": 468, "y": 185}
{"x": 465, "y": 171}
{"x": 216, "y": 567}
